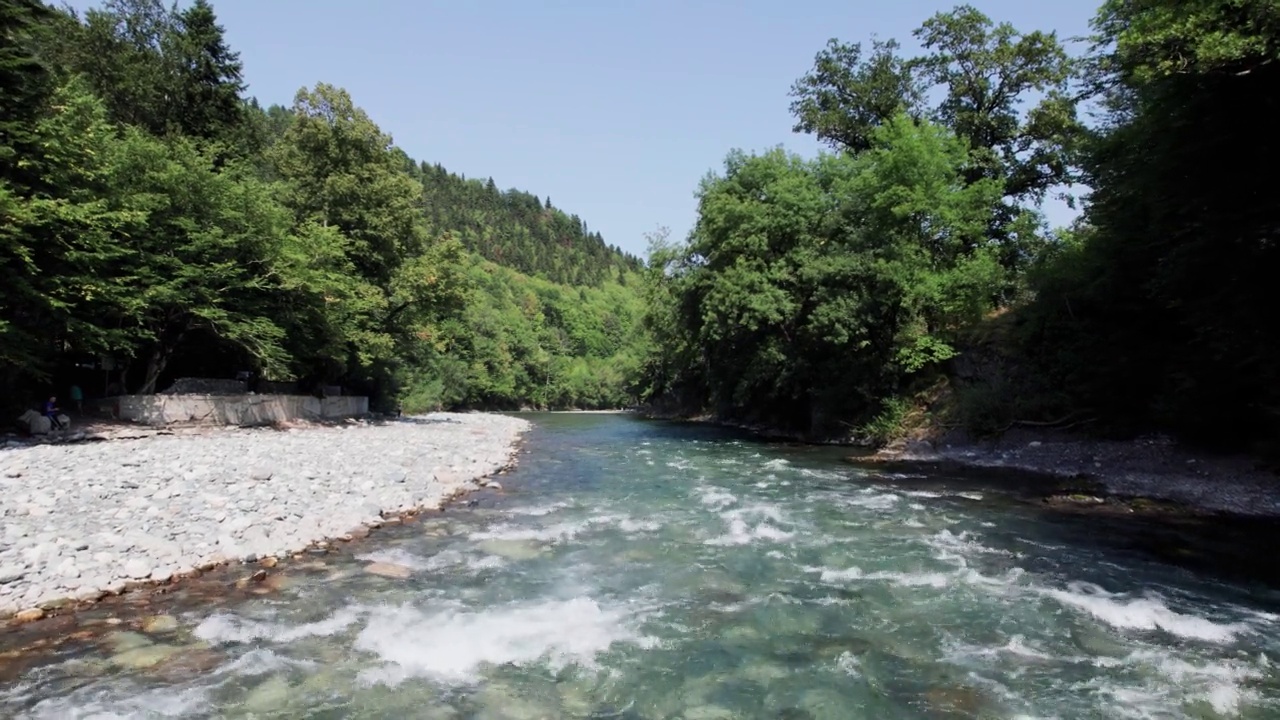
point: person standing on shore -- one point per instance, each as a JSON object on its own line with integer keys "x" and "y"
{"x": 77, "y": 398}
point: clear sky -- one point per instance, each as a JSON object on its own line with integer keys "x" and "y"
{"x": 613, "y": 108}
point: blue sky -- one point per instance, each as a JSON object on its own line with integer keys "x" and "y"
{"x": 614, "y": 108}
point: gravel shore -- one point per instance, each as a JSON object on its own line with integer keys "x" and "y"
{"x": 1149, "y": 467}
{"x": 87, "y": 518}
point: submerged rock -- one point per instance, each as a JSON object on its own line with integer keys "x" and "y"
{"x": 257, "y": 577}
{"x": 269, "y": 697}
{"x": 189, "y": 662}
{"x": 276, "y": 582}
{"x": 499, "y": 701}
{"x": 160, "y": 624}
{"x": 29, "y": 615}
{"x": 575, "y": 699}
{"x": 125, "y": 640}
{"x": 958, "y": 699}
{"x": 388, "y": 570}
{"x": 146, "y": 656}
{"x": 708, "y": 712}
{"x": 765, "y": 672}
{"x": 513, "y": 549}
{"x": 821, "y": 704}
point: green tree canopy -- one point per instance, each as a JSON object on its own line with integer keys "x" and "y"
{"x": 981, "y": 72}
{"x": 815, "y": 291}
{"x": 1162, "y": 315}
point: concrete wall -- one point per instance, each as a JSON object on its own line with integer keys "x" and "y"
{"x": 231, "y": 409}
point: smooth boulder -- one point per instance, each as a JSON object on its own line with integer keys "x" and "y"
{"x": 35, "y": 423}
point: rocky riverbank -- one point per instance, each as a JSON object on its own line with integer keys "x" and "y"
{"x": 1151, "y": 467}
{"x": 84, "y": 519}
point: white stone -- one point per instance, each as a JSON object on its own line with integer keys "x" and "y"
{"x": 137, "y": 569}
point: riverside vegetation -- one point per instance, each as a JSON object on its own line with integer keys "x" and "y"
{"x": 151, "y": 215}
{"x": 154, "y": 216}
{"x": 910, "y": 274}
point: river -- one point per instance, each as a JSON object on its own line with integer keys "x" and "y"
{"x": 637, "y": 569}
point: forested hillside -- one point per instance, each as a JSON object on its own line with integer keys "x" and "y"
{"x": 155, "y": 223}
{"x": 911, "y": 269}
{"x": 517, "y": 230}
{"x": 528, "y": 342}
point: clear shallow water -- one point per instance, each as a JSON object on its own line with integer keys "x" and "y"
{"x": 644, "y": 570}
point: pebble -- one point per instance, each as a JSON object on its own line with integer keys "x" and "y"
{"x": 137, "y": 569}
{"x": 257, "y": 577}
{"x": 78, "y": 520}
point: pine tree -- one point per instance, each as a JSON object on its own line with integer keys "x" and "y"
{"x": 206, "y": 75}
{"x": 25, "y": 86}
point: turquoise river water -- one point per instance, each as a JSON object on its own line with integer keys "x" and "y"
{"x": 637, "y": 569}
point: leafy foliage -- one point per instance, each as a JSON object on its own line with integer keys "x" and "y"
{"x": 151, "y": 217}
{"x": 819, "y": 290}
{"x": 981, "y": 72}
{"x": 161, "y": 69}
{"x": 517, "y": 230}
{"x": 835, "y": 289}
{"x": 1161, "y": 315}
{"x": 55, "y": 246}
{"x": 981, "y": 75}
{"x": 527, "y": 342}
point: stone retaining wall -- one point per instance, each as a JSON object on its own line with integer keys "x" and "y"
{"x": 231, "y": 409}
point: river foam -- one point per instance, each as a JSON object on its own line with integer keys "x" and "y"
{"x": 1143, "y": 613}
{"x": 454, "y": 645}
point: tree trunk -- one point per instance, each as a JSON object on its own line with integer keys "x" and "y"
{"x": 122, "y": 377}
{"x": 155, "y": 365}
{"x": 166, "y": 343}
